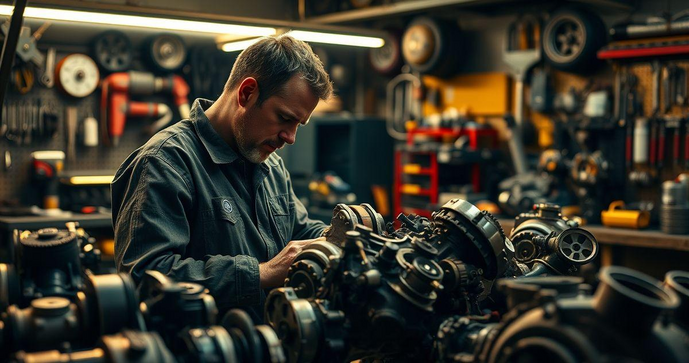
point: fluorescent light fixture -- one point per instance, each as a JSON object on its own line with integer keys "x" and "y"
{"x": 236, "y": 46}
{"x": 91, "y": 179}
{"x": 338, "y": 39}
{"x": 314, "y": 37}
{"x": 141, "y": 21}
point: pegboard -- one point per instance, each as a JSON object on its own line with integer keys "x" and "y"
{"x": 15, "y": 183}
{"x": 644, "y": 74}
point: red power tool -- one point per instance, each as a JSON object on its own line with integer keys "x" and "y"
{"x": 47, "y": 165}
{"x": 116, "y": 106}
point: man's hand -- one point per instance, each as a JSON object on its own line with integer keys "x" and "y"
{"x": 274, "y": 272}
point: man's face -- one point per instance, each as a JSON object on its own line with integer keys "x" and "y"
{"x": 260, "y": 130}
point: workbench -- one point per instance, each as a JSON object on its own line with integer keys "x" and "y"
{"x": 647, "y": 250}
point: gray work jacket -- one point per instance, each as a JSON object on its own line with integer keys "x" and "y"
{"x": 182, "y": 205}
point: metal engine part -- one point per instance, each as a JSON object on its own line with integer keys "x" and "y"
{"x": 375, "y": 295}
{"x": 464, "y": 230}
{"x": 47, "y": 262}
{"x": 385, "y": 289}
{"x": 547, "y": 243}
{"x": 107, "y": 305}
{"x": 162, "y": 298}
{"x": 308, "y": 331}
{"x": 307, "y": 270}
{"x": 50, "y": 266}
{"x": 130, "y": 346}
{"x": 678, "y": 281}
{"x": 347, "y": 217}
{"x": 185, "y": 316}
{"x": 556, "y": 321}
{"x": 101, "y": 318}
{"x": 383, "y": 297}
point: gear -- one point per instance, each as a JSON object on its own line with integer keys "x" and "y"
{"x": 309, "y": 331}
{"x": 456, "y": 274}
{"x": 305, "y": 277}
{"x": 495, "y": 222}
{"x": 481, "y": 228}
{"x": 525, "y": 249}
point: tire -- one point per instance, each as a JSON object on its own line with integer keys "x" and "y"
{"x": 112, "y": 50}
{"x": 571, "y": 39}
{"x": 165, "y": 52}
{"x": 388, "y": 59}
{"x": 440, "y": 54}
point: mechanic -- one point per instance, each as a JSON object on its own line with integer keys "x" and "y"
{"x": 207, "y": 200}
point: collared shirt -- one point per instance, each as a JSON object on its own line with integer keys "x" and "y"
{"x": 185, "y": 204}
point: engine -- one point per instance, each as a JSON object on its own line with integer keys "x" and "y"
{"x": 383, "y": 294}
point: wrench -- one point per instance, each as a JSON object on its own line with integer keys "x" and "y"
{"x": 48, "y": 78}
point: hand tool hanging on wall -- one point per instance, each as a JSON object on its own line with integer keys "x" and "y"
{"x": 48, "y": 120}
{"x": 655, "y": 110}
{"x": 402, "y": 104}
{"x": 661, "y": 143}
{"x": 71, "y": 121}
{"x": 116, "y": 106}
{"x": 522, "y": 51}
{"x": 674, "y": 124}
{"x": 629, "y": 108}
{"x": 30, "y": 57}
{"x": 48, "y": 78}
{"x": 671, "y": 89}
{"x": 23, "y": 122}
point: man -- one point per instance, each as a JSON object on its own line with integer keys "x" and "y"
{"x": 207, "y": 200}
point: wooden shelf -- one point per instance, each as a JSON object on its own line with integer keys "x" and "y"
{"x": 647, "y": 238}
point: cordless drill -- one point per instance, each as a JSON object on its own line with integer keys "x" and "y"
{"x": 116, "y": 105}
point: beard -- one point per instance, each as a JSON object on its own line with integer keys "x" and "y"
{"x": 246, "y": 149}
{"x": 249, "y": 150}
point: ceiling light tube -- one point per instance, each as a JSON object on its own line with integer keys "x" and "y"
{"x": 141, "y": 21}
{"x": 313, "y": 37}
{"x": 238, "y": 45}
{"x": 338, "y": 39}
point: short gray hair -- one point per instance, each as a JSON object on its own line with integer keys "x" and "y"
{"x": 272, "y": 61}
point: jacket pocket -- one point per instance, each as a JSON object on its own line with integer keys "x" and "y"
{"x": 282, "y": 211}
{"x": 221, "y": 223}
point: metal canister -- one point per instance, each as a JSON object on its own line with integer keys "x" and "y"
{"x": 674, "y": 213}
{"x": 674, "y": 193}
